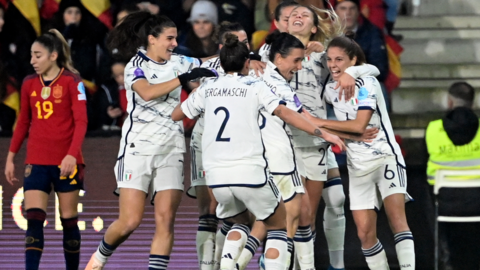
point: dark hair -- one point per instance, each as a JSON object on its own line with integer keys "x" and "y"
{"x": 233, "y": 54}
{"x": 53, "y": 41}
{"x": 351, "y": 48}
{"x": 282, "y": 43}
{"x": 281, "y": 6}
{"x": 134, "y": 30}
{"x": 463, "y": 91}
{"x": 226, "y": 27}
{"x": 196, "y": 47}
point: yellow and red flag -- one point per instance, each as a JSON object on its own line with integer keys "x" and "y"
{"x": 29, "y": 10}
{"x": 101, "y": 10}
{"x": 394, "y": 49}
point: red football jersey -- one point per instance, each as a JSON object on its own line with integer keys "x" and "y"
{"x": 55, "y": 118}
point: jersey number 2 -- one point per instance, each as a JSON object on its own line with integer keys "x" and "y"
{"x": 224, "y": 123}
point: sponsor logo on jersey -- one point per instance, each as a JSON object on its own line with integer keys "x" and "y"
{"x": 34, "y": 94}
{"x": 74, "y": 182}
{"x": 392, "y": 185}
{"x": 336, "y": 100}
{"x": 28, "y": 170}
{"x": 57, "y": 91}
{"x": 81, "y": 90}
{"x": 154, "y": 76}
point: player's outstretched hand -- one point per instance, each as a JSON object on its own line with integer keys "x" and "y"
{"x": 334, "y": 139}
{"x": 370, "y": 134}
{"x": 314, "y": 46}
{"x": 346, "y": 83}
{"x": 195, "y": 73}
{"x": 68, "y": 165}
{"x": 10, "y": 172}
{"x": 258, "y": 67}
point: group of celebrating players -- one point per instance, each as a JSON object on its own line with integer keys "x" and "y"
{"x": 260, "y": 149}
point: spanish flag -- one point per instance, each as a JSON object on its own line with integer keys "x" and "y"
{"x": 101, "y": 10}
{"x": 49, "y": 8}
{"x": 394, "y": 49}
{"x": 29, "y": 10}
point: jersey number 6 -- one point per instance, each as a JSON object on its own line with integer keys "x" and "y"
{"x": 224, "y": 123}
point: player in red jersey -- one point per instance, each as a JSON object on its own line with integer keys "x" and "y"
{"x": 53, "y": 112}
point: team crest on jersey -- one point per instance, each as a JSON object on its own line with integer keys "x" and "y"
{"x": 28, "y": 170}
{"x": 201, "y": 174}
{"x": 46, "y": 92}
{"x": 57, "y": 91}
{"x": 128, "y": 175}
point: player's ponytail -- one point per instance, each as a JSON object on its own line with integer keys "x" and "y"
{"x": 282, "y": 43}
{"x": 126, "y": 38}
{"x": 53, "y": 41}
{"x": 233, "y": 54}
{"x": 350, "y": 47}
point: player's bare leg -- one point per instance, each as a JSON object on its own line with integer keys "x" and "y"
{"x": 166, "y": 205}
{"x": 366, "y": 221}
{"x": 131, "y": 207}
{"x": 207, "y": 227}
{"x": 36, "y": 206}
{"x": 334, "y": 218}
{"x": 404, "y": 245}
{"x": 68, "y": 202}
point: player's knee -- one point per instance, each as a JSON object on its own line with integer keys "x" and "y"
{"x": 366, "y": 234}
{"x": 272, "y": 253}
{"x": 234, "y": 236}
{"x": 130, "y": 225}
{"x": 165, "y": 219}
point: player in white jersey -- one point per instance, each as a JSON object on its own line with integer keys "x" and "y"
{"x": 312, "y": 154}
{"x": 150, "y": 158}
{"x": 376, "y": 169}
{"x": 209, "y": 242}
{"x": 232, "y": 145}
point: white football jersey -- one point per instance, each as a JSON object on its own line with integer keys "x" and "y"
{"x": 275, "y": 133}
{"x": 149, "y": 129}
{"x": 196, "y": 139}
{"x": 362, "y": 156}
{"x": 309, "y": 83}
{"x": 232, "y": 148}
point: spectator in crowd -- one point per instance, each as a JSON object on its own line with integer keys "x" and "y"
{"x": 453, "y": 144}
{"x": 368, "y": 36}
{"x": 198, "y": 41}
{"x": 124, "y": 11}
{"x": 391, "y": 14}
{"x": 72, "y": 21}
{"x": 9, "y": 102}
{"x": 110, "y": 101}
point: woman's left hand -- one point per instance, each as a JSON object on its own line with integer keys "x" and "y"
{"x": 257, "y": 66}
{"x": 68, "y": 165}
{"x": 346, "y": 83}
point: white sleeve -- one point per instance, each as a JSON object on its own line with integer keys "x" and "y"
{"x": 367, "y": 95}
{"x": 132, "y": 74}
{"x": 194, "y": 105}
{"x": 188, "y": 63}
{"x": 267, "y": 99}
{"x": 363, "y": 70}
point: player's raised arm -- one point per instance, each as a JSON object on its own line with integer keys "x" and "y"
{"x": 149, "y": 91}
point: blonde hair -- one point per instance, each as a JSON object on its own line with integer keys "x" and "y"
{"x": 54, "y": 41}
{"x": 329, "y": 26}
